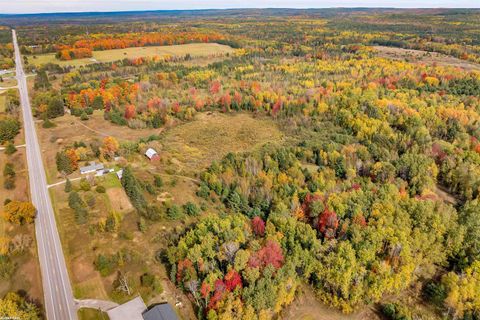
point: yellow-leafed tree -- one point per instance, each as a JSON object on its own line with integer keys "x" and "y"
{"x": 19, "y": 212}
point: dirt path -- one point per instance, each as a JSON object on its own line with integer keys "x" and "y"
{"x": 102, "y": 305}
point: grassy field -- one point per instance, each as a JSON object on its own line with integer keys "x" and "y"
{"x": 424, "y": 57}
{"x": 194, "y": 145}
{"x": 196, "y": 50}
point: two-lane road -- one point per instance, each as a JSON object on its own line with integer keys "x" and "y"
{"x": 59, "y": 303}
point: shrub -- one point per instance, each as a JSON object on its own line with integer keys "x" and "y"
{"x": 174, "y": 212}
{"x": 100, "y": 189}
{"x": 9, "y": 128}
{"x": 157, "y": 181}
{"x": 68, "y": 186}
{"x": 84, "y": 116}
{"x": 85, "y": 185}
{"x": 48, "y": 124}
{"x": 191, "y": 209}
{"x": 150, "y": 189}
{"x": 10, "y": 149}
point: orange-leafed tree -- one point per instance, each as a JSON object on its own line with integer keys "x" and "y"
{"x": 110, "y": 147}
{"x": 130, "y": 111}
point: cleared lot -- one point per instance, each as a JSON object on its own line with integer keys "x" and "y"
{"x": 194, "y": 49}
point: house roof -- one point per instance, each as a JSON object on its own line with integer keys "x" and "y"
{"x": 150, "y": 153}
{"x": 131, "y": 310}
{"x": 162, "y": 311}
{"x": 92, "y": 167}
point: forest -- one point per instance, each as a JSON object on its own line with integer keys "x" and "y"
{"x": 371, "y": 194}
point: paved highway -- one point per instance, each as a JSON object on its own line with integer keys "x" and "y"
{"x": 59, "y": 303}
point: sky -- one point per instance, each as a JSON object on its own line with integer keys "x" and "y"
{"x": 43, "y": 6}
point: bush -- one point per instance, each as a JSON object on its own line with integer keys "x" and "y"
{"x": 68, "y": 186}
{"x": 435, "y": 293}
{"x": 9, "y": 183}
{"x": 85, "y": 185}
{"x": 9, "y": 128}
{"x": 150, "y": 189}
{"x": 153, "y": 213}
{"x": 84, "y": 116}
{"x": 174, "y": 212}
{"x": 395, "y": 311}
{"x": 157, "y": 181}
{"x": 191, "y": 209}
{"x": 10, "y": 149}
{"x": 48, "y": 124}
{"x": 100, "y": 189}
{"x": 105, "y": 265}
{"x": 7, "y": 267}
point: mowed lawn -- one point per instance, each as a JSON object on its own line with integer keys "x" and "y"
{"x": 196, "y": 50}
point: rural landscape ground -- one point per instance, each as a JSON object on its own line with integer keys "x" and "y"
{"x": 247, "y": 164}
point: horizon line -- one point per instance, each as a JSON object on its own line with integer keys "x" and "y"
{"x": 234, "y": 9}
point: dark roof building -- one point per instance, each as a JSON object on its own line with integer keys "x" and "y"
{"x": 162, "y": 311}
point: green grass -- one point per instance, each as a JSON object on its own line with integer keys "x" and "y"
{"x": 111, "y": 181}
{"x": 194, "y": 49}
{"x": 91, "y": 314}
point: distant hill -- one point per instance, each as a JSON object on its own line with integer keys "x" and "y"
{"x": 106, "y": 17}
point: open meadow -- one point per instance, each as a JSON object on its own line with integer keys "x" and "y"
{"x": 195, "y": 50}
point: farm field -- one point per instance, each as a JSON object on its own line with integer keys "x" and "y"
{"x": 195, "y": 50}
{"x": 419, "y": 56}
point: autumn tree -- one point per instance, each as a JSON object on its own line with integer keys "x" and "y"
{"x": 19, "y": 212}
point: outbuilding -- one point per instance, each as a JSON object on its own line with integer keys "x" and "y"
{"x": 152, "y": 154}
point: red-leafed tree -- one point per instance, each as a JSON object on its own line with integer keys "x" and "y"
{"x": 215, "y": 87}
{"x": 185, "y": 270}
{"x": 258, "y": 226}
{"x": 218, "y": 294}
{"x": 205, "y": 290}
{"x": 270, "y": 254}
{"x": 233, "y": 280}
{"x": 328, "y": 223}
{"x": 130, "y": 111}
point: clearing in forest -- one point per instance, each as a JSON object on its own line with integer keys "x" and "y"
{"x": 196, "y": 50}
{"x": 424, "y": 57}
{"x": 194, "y": 145}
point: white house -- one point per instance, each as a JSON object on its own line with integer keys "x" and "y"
{"x": 91, "y": 168}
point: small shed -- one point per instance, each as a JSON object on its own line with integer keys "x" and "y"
{"x": 119, "y": 174}
{"x": 93, "y": 167}
{"x": 162, "y": 311}
{"x": 152, "y": 154}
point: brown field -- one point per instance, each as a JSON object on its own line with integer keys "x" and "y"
{"x": 70, "y": 129}
{"x": 426, "y": 57}
{"x": 119, "y": 200}
{"x": 194, "y": 145}
{"x": 307, "y": 307}
{"x": 196, "y": 50}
